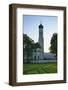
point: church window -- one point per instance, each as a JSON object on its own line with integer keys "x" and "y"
{"x": 38, "y": 57}
{"x": 34, "y": 57}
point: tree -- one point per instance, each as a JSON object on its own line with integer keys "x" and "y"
{"x": 36, "y": 45}
{"x": 53, "y": 47}
{"x": 27, "y": 48}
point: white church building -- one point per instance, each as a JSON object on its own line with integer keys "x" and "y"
{"x": 38, "y": 54}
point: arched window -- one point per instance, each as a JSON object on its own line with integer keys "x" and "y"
{"x": 38, "y": 57}
{"x": 35, "y": 57}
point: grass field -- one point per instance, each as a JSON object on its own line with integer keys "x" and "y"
{"x": 39, "y": 68}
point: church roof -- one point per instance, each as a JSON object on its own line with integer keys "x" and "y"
{"x": 40, "y": 26}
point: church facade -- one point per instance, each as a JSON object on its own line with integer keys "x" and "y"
{"x": 37, "y": 54}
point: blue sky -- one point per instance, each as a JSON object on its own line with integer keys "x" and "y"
{"x": 49, "y": 23}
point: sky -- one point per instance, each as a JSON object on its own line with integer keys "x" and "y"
{"x": 31, "y": 28}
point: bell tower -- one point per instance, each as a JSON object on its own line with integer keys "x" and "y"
{"x": 41, "y": 39}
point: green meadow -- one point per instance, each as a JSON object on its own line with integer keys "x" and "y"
{"x": 39, "y": 68}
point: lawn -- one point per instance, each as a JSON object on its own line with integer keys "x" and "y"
{"x": 39, "y": 68}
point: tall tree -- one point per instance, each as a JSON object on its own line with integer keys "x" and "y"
{"x": 28, "y": 45}
{"x": 53, "y": 47}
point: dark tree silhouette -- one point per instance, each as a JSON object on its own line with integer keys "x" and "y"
{"x": 53, "y": 47}
{"x": 36, "y": 45}
{"x": 28, "y": 47}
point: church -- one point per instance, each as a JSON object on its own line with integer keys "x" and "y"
{"x": 38, "y": 55}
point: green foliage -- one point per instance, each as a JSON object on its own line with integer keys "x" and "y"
{"x": 37, "y": 45}
{"x": 28, "y": 47}
{"x": 40, "y": 68}
{"x": 53, "y": 47}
